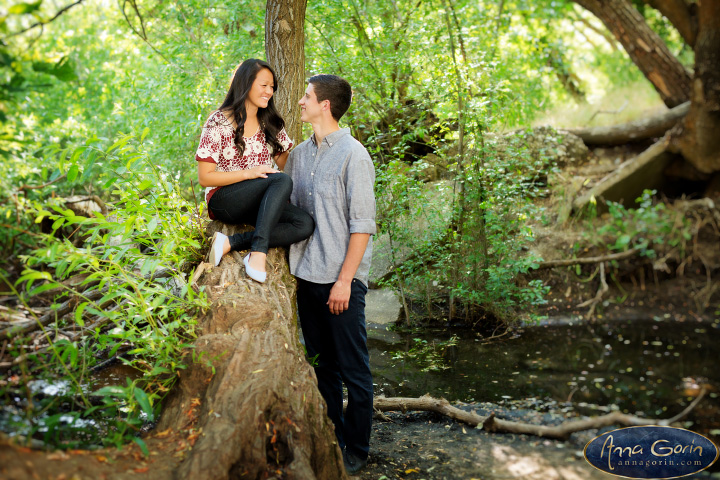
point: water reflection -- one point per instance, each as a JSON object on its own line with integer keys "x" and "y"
{"x": 651, "y": 368}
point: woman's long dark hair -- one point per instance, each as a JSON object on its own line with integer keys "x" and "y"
{"x": 270, "y": 120}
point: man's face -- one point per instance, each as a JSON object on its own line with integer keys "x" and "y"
{"x": 311, "y": 109}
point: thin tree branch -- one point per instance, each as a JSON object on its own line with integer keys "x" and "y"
{"x": 142, "y": 35}
{"x": 42, "y": 23}
{"x": 35, "y": 187}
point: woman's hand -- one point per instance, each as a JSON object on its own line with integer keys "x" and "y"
{"x": 209, "y": 177}
{"x": 260, "y": 171}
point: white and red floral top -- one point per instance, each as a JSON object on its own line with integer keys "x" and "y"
{"x": 217, "y": 145}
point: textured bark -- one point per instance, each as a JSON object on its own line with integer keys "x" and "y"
{"x": 682, "y": 14}
{"x": 698, "y": 137}
{"x": 634, "y": 131}
{"x": 260, "y": 412}
{"x": 645, "y": 47}
{"x": 285, "y": 51}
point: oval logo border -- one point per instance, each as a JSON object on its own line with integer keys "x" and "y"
{"x": 717, "y": 452}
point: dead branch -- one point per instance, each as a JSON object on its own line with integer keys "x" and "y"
{"x": 642, "y": 129}
{"x": 492, "y": 424}
{"x": 69, "y": 306}
{"x": 587, "y": 260}
{"x": 610, "y": 112}
{"x": 427, "y": 403}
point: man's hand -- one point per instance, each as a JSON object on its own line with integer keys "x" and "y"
{"x": 339, "y": 297}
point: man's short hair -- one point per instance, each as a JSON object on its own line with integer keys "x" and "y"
{"x": 333, "y": 88}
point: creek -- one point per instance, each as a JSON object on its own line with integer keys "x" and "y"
{"x": 651, "y": 367}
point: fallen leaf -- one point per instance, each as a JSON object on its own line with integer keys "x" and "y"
{"x": 412, "y": 470}
{"x": 58, "y": 456}
{"x": 141, "y": 469}
{"x": 164, "y": 433}
{"x": 101, "y": 458}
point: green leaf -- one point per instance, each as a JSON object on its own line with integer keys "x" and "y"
{"x": 110, "y": 391}
{"x": 144, "y": 402}
{"x": 33, "y": 275}
{"x": 73, "y": 173}
{"x": 118, "y": 144}
{"x": 43, "y": 288}
{"x": 152, "y": 225}
{"x": 145, "y": 131}
{"x": 142, "y": 445}
{"x": 78, "y": 314}
{"x": 64, "y": 70}
{"x": 23, "y": 8}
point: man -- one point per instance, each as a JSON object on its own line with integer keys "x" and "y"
{"x": 333, "y": 178}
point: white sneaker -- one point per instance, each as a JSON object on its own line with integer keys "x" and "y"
{"x": 256, "y": 275}
{"x": 216, "y": 251}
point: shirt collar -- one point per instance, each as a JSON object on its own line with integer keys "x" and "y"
{"x": 333, "y": 137}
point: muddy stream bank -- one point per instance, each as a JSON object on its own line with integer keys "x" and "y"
{"x": 642, "y": 363}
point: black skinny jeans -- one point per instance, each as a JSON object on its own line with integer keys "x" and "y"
{"x": 263, "y": 203}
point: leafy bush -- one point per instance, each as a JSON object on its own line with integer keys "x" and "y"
{"x": 122, "y": 292}
{"x": 645, "y": 228}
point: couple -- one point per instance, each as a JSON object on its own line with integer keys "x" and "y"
{"x": 329, "y": 182}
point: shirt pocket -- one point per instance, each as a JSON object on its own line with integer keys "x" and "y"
{"x": 330, "y": 188}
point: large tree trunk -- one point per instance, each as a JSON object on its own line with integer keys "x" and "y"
{"x": 257, "y": 406}
{"x": 698, "y": 137}
{"x": 682, "y": 14}
{"x": 285, "y": 51}
{"x": 645, "y": 47}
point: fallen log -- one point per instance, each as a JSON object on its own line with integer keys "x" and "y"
{"x": 492, "y": 424}
{"x": 643, "y": 129}
{"x": 627, "y": 182}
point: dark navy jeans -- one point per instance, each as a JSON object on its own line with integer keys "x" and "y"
{"x": 264, "y": 204}
{"x": 340, "y": 343}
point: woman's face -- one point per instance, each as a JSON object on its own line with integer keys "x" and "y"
{"x": 262, "y": 89}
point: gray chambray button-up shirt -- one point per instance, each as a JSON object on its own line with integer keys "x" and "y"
{"x": 334, "y": 183}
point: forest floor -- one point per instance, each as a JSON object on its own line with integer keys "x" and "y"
{"x": 428, "y": 446}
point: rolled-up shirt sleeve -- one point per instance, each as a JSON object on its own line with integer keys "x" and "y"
{"x": 359, "y": 181}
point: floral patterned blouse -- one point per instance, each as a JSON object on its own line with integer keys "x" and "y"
{"x": 217, "y": 145}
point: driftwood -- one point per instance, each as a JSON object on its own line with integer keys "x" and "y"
{"x": 634, "y": 131}
{"x": 493, "y": 424}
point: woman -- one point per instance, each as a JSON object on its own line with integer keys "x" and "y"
{"x": 238, "y": 145}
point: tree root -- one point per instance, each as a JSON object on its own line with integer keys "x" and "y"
{"x": 592, "y": 303}
{"x": 492, "y": 424}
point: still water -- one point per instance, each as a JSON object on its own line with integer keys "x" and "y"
{"x": 652, "y": 368}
